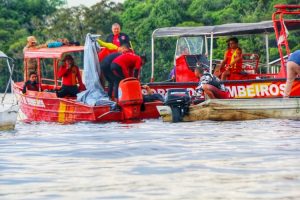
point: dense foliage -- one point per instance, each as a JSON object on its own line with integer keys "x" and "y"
{"x": 50, "y": 19}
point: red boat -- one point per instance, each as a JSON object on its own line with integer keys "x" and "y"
{"x": 259, "y": 80}
{"x": 45, "y": 106}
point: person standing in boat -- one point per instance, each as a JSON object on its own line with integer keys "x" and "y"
{"x": 232, "y": 62}
{"x": 210, "y": 85}
{"x": 106, "y": 70}
{"x": 124, "y": 66}
{"x": 293, "y": 70}
{"x": 117, "y": 37}
{"x": 31, "y": 63}
{"x": 31, "y": 84}
{"x": 70, "y": 75}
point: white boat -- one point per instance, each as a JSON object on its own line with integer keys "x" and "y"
{"x": 8, "y": 109}
{"x": 237, "y": 109}
{"x": 8, "y": 116}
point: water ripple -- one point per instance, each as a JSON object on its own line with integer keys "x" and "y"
{"x": 151, "y": 160}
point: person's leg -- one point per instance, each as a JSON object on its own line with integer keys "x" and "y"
{"x": 118, "y": 76}
{"x": 208, "y": 91}
{"x": 70, "y": 91}
{"x": 214, "y": 92}
{"x": 225, "y": 75}
{"x": 62, "y": 92}
{"x": 293, "y": 69}
{"x": 110, "y": 79}
{"x": 73, "y": 91}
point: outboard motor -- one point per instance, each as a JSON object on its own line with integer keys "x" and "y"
{"x": 179, "y": 100}
{"x": 130, "y": 98}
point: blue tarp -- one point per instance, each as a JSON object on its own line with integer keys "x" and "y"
{"x": 94, "y": 93}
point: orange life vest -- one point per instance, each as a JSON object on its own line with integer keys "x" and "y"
{"x": 231, "y": 55}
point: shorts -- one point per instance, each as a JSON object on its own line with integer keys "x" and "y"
{"x": 295, "y": 57}
{"x": 219, "y": 94}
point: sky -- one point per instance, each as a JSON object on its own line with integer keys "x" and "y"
{"x": 86, "y": 2}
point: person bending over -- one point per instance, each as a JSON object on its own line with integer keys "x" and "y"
{"x": 210, "y": 85}
{"x": 124, "y": 66}
{"x": 70, "y": 75}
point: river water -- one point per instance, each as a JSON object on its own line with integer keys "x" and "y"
{"x": 151, "y": 160}
{"x": 257, "y": 159}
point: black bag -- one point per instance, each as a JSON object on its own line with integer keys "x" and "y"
{"x": 152, "y": 97}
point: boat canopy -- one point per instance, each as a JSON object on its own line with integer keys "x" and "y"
{"x": 51, "y": 52}
{"x": 223, "y": 30}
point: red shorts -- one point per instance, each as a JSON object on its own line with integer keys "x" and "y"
{"x": 220, "y": 94}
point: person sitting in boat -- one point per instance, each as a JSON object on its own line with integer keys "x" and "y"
{"x": 124, "y": 66}
{"x": 106, "y": 70}
{"x": 210, "y": 85}
{"x": 70, "y": 75}
{"x": 293, "y": 69}
{"x": 31, "y": 84}
{"x": 232, "y": 62}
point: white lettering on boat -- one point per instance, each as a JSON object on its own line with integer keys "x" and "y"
{"x": 34, "y": 102}
{"x": 259, "y": 90}
{"x": 240, "y": 91}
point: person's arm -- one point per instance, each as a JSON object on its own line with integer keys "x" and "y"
{"x": 79, "y": 79}
{"x": 217, "y": 71}
{"x": 62, "y": 71}
{"x": 137, "y": 67}
{"x": 24, "y": 87}
{"x": 238, "y": 56}
{"x": 224, "y": 60}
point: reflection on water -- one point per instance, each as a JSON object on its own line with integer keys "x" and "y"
{"x": 152, "y": 160}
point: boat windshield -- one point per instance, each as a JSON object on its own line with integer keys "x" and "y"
{"x": 189, "y": 46}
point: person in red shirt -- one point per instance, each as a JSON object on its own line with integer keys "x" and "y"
{"x": 70, "y": 75}
{"x": 124, "y": 66}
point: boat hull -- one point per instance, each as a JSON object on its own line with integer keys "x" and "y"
{"x": 45, "y": 106}
{"x": 8, "y": 116}
{"x": 239, "y": 109}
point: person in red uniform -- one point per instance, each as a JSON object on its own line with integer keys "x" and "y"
{"x": 232, "y": 62}
{"x": 124, "y": 66}
{"x": 31, "y": 84}
{"x": 70, "y": 75}
{"x": 117, "y": 37}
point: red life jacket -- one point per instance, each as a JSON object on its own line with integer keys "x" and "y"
{"x": 230, "y": 56}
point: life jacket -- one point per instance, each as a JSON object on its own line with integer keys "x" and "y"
{"x": 237, "y": 67}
